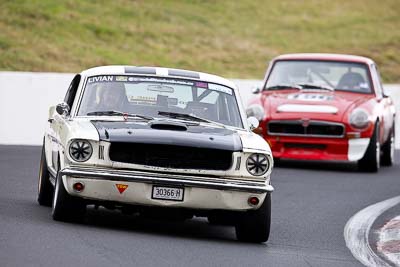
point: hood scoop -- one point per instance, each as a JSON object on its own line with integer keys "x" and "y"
{"x": 168, "y": 125}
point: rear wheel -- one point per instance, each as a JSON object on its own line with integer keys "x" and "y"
{"x": 65, "y": 206}
{"x": 254, "y": 225}
{"x": 371, "y": 160}
{"x": 388, "y": 150}
{"x": 45, "y": 188}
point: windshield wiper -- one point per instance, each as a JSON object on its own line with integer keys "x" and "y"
{"x": 314, "y": 86}
{"x": 185, "y": 116}
{"x": 283, "y": 86}
{"x": 118, "y": 113}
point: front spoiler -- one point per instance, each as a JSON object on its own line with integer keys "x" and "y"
{"x": 168, "y": 179}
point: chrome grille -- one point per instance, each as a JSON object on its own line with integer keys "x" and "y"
{"x": 101, "y": 152}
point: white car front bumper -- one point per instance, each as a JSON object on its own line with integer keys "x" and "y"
{"x": 199, "y": 192}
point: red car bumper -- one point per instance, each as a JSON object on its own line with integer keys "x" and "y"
{"x": 308, "y": 148}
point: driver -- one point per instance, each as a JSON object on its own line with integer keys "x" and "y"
{"x": 111, "y": 96}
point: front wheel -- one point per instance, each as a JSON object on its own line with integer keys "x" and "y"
{"x": 45, "y": 188}
{"x": 254, "y": 225}
{"x": 371, "y": 160}
{"x": 66, "y": 207}
{"x": 388, "y": 150}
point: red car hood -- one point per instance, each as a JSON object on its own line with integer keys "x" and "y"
{"x": 311, "y": 104}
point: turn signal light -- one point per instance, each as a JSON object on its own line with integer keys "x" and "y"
{"x": 352, "y": 135}
{"x": 253, "y": 201}
{"x": 78, "y": 187}
{"x": 259, "y": 130}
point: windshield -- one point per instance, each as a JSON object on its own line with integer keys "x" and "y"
{"x": 333, "y": 75}
{"x": 153, "y": 97}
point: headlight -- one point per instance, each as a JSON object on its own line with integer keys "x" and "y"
{"x": 359, "y": 118}
{"x": 255, "y": 110}
{"x": 80, "y": 150}
{"x": 257, "y": 164}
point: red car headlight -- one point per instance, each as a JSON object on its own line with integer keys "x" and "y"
{"x": 256, "y": 111}
{"x": 359, "y": 118}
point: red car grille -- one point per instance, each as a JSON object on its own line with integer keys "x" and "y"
{"x": 306, "y": 128}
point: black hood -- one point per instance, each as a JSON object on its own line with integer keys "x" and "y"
{"x": 168, "y": 133}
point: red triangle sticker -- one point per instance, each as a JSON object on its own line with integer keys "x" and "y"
{"x": 121, "y": 187}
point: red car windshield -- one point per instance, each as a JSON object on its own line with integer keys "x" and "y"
{"x": 333, "y": 75}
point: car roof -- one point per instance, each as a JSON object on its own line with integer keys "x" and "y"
{"x": 327, "y": 57}
{"x": 157, "y": 71}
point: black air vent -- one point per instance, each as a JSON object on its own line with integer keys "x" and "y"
{"x": 172, "y": 126}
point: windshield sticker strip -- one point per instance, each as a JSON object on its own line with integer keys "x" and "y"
{"x": 120, "y": 78}
{"x": 105, "y": 78}
{"x": 159, "y": 80}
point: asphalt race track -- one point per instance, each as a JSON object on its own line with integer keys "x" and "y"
{"x": 311, "y": 205}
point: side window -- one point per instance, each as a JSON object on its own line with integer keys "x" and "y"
{"x": 377, "y": 81}
{"x": 70, "y": 96}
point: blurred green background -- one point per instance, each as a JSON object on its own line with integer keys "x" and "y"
{"x": 235, "y": 39}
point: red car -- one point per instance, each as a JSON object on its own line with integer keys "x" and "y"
{"x": 326, "y": 107}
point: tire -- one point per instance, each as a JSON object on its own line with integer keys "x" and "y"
{"x": 66, "y": 207}
{"x": 388, "y": 150}
{"x": 254, "y": 226}
{"x": 371, "y": 160}
{"x": 277, "y": 162}
{"x": 45, "y": 188}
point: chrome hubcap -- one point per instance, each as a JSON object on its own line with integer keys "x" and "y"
{"x": 392, "y": 148}
{"x": 40, "y": 179}
{"x": 378, "y": 154}
{"x": 57, "y": 189}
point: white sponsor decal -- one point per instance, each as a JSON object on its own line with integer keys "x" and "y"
{"x": 307, "y": 108}
{"x": 310, "y": 97}
{"x": 100, "y": 79}
{"x": 121, "y": 78}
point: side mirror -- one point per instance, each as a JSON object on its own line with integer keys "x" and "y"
{"x": 385, "y": 93}
{"x": 256, "y": 89}
{"x": 253, "y": 122}
{"x": 62, "y": 109}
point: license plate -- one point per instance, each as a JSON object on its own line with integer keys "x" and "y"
{"x": 167, "y": 193}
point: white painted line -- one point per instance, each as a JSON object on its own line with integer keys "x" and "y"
{"x": 357, "y": 230}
